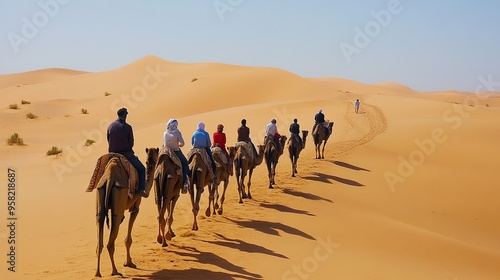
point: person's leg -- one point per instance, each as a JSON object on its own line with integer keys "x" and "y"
{"x": 185, "y": 165}
{"x": 209, "y": 152}
{"x": 141, "y": 170}
{"x": 254, "y": 149}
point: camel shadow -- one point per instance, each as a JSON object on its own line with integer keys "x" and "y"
{"x": 195, "y": 255}
{"x": 326, "y": 178}
{"x": 244, "y": 246}
{"x": 271, "y": 228}
{"x": 197, "y": 273}
{"x": 305, "y": 195}
{"x": 348, "y": 165}
{"x": 283, "y": 208}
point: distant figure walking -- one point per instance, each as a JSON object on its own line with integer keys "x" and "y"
{"x": 356, "y": 106}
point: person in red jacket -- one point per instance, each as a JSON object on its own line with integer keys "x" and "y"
{"x": 219, "y": 140}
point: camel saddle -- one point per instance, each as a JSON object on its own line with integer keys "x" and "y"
{"x": 222, "y": 155}
{"x": 324, "y": 125}
{"x": 102, "y": 161}
{"x": 204, "y": 157}
{"x": 166, "y": 152}
{"x": 293, "y": 137}
{"x": 248, "y": 147}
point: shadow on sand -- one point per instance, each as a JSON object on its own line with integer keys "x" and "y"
{"x": 197, "y": 273}
{"x": 195, "y": 255}
{"x": 244, "y": 246}
{"x": 271, "y": 227}
{"x": 326, "y": 178}
{"x": 347, "y": 165}
{"x": 283, "y": 208}
{"x": 305, "y": 195}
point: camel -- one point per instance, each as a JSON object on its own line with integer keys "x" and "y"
{"x": 272, "y": 154}
{"x": 168, "y": 182}
{"x": 242, "y": 165}
{"x": 319, "y": 137}
{"x": 112, "y": 194}
{"x": 200, "y": 176}
{"x": 294, "y": 149}
{"x": 221, "y": 175}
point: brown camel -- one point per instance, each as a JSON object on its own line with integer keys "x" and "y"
{"x": 112, "y": 194}
{"x": 199, "y": 177}
{"x": 272, "y": 155}
{"x": 294, "y": 149}
{"x": 242, "y": 166}
{"x": 168, "y": 183}
{"x": 320, "y": 137}
{"x": 221, "y": 175}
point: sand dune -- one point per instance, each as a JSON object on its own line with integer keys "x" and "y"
{"x": 407, "y": 189}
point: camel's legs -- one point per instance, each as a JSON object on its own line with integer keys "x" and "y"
{"x": 223, "y": 197}
{"x": 249, "y": 183}
{"x": 216, "y": 197}
{"x": 323, "y": 150}
{"x": 160, "y": 206}
{"x": 116, "y": 218}
{"x": 211, "y": 190}
{"x": 171, "y": 206}
{"x": 100, "y": 216}
{"x": 238, "y": 177}
{"x": 128, "y": 239}
{"x": 195, "y": 194}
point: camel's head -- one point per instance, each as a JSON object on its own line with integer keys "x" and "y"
{"x": 304, "y": 134}
{"x": 152, "y": 155}
{"x": 232, "y": 152}
{"x": 260, "y": 149}
{"x": 283, "y": 140}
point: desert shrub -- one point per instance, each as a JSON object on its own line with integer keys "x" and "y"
{"x": 13, "y": 106}
{"x": 89, "y": 142}
{"x": 15, "y": 140}
{"x": 24, "y": 102}
{"x": 84, "y": 111}
{"x": 31, "y": 116}
{"x": 54, "y": 151}
{"x": 107, "y": 93}
{"x": 194, "y": 80}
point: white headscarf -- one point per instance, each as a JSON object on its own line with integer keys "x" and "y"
{"x": 172, "y": 124}
{"x": 201, "y": 126}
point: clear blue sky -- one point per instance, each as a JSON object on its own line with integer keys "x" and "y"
{"x": 427, "y": 45}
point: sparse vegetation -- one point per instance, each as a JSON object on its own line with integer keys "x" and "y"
{"x": 89, "y": 142}
{"x": 54, "y": 151}
{"x": 194, "y": 80}
{"x": 13, "y": 106}
{"x": 107, "y": 93}
{"x": 15, "y": 140}
{"x": 84, "y": 111}
{"x": 31, "y": 116}
{"x": 24, "y": 102}
{"x": 487, "y": 105}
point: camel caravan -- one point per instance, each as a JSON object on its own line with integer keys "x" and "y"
{"x": 121, "y": 180}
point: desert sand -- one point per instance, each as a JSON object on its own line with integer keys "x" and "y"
{"x": 408, "y": 188}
